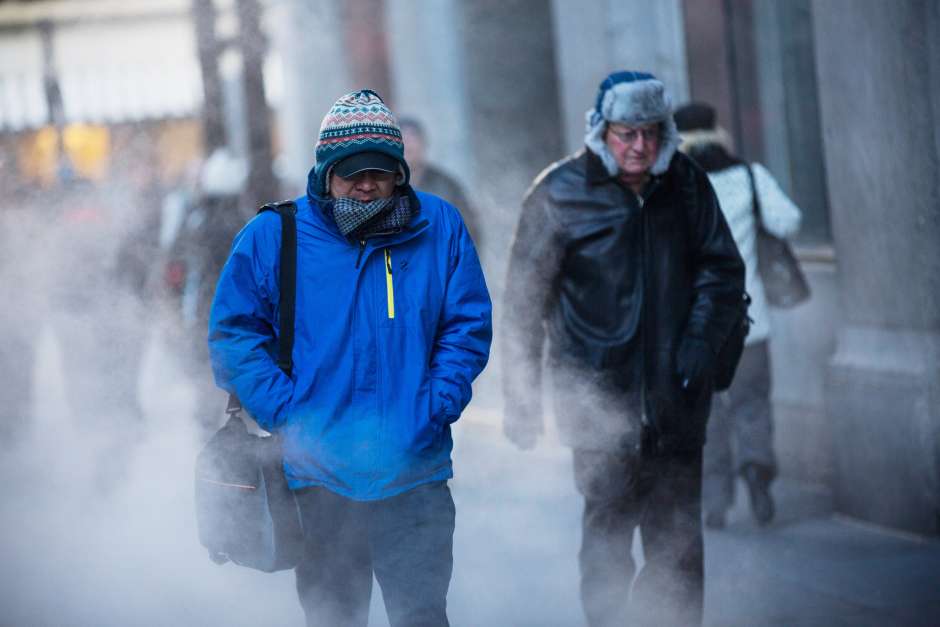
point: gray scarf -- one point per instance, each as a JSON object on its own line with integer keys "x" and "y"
{"x": 360, "y": 220}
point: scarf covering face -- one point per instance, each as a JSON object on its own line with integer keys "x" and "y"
{"x": 360, "y": 220}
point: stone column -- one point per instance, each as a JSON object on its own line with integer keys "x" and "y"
{"x": 878, "y": 64}
{"x": 309, "y": 40}
{"x": 513, "y": 120}
{"x": 427, "y": 82}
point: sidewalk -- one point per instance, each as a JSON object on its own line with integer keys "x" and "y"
{"x": 519, "y": 528}
{"x": 74, "y": 554}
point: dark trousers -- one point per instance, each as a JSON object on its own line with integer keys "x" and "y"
{"x": 406, "y": 540}
{"x": 740, "y": 430}
{"x": 660, "y": 495}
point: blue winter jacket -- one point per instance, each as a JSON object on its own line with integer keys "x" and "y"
{"x": 389, "y": 335}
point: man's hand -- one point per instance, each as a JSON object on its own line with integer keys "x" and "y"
{"x": 694, "y": 362}
{"x": 522, "y": 432}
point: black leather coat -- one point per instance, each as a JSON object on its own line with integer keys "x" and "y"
{"x": 614, "y": 282}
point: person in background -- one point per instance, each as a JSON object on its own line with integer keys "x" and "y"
{"x": 393, "y": 324}
{"x": 426, "y": 177}
{"x": 623, "y": 262}
{"x": 194, "y": 261}
{"x": 740, "y": 432}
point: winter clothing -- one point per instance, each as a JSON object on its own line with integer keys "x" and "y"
{"x": 634, "y": 99}
{"x": 636, "y": 294}
{"x": 740, "y": 430}
{"x": 741, "y": 427}
{"x": 619, "y": 281}
{"x": 346, "y": 540}
{"x": 441, "y": 184}
{"x": 362, "y": 161}
{"x": 390, "y": 333}
{"x": 360, "y": 220}
{"x": 709, "y": 145}
{"x": 393, "y": 324}
{"x": 663, "y": 497}
{"x": 359, "y": 122}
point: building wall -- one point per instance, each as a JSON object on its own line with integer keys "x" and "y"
{"x": 879, "y": 104}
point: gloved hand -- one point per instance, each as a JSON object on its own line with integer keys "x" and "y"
{"x": 523, "y": 432}
{"x": 694, "y": 362}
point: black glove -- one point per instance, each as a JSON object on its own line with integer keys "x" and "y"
{"x": 694, "y": 362}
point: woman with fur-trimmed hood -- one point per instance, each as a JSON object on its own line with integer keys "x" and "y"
{"x": 743, "y": 415}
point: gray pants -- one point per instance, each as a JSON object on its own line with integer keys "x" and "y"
{"x": 740, "y": 430}
{"x": 406, "y": 540}
{"x": 660, "y": 495}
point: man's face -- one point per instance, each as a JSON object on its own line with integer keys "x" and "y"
{"x": 634, "y": 147}
{"x": 364, "y": 186}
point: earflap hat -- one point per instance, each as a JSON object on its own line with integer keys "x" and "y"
{"x": 634, "y": 99}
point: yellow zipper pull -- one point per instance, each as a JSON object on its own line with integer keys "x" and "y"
{"x": 389, "y": 284}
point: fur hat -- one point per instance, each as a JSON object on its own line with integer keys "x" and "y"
{"x": 632, "y": 98}
{"x": 359, "y": 122}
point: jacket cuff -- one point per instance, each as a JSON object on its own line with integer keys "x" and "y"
{"x": 445, "y": 403}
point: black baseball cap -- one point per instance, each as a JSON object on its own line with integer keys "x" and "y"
{"x": 362, "y": 161}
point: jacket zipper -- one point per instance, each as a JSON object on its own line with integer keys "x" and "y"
{"x": 389, "y": 284}
{"x": 362, "y": 247}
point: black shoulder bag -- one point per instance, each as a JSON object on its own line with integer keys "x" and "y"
{"x": 784, "y": 282}
{"x": 245, "y": 511}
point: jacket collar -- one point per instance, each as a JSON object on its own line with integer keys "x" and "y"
{"x": 596, "y": 174}
{"x": 320, "y": 216}
{"x": 594, "y": 170}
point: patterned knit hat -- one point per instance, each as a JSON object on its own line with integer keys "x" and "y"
{"x": 356, "y": 123}
{"x": 632, "y": 98}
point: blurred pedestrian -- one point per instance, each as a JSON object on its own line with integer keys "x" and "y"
{"x": 623, "y": 262}
{"x": 194, "y": 262}
{"x": 392, "y": 326}
{"x": 429, "y": 178}
{"x": 740, "y": 432}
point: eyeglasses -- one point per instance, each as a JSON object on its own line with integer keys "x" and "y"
{"x": 628, "y": 135}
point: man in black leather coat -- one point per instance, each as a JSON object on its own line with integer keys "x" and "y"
{"x": 623, "y": 262}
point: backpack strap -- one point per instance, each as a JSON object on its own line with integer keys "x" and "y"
{"x": 287, "y": 285}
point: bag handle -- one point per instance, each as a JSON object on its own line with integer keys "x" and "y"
{"x": 287, "y": 285}
{"x": 755, "y": 199}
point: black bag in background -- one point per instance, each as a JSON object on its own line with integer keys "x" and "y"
{"x": 245, "y": 511}
{"x": 784, "y": 282}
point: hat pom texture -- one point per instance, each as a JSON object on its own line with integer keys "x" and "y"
{"x": 358, "y": 122}
{"x": 634, "y": 99}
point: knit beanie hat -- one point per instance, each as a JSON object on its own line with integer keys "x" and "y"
{"x": 697, "y": 124}
{"x": 632, "y": 98}
{"x": 359, "y": 122}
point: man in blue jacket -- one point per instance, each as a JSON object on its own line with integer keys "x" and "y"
{"x": 393, "y": 323}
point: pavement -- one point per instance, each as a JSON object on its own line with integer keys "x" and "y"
{"x": 810, "y": 567}
{"x": 79, "y": 552}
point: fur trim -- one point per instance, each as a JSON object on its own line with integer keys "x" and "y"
{"x": 634, "y": 103}
{"x": 703, "y": 137}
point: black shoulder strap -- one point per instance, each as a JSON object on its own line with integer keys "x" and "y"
{"x": 287, "y": 285}
{"x": 287, "y": 281}
{"x": 755, "y": 199}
